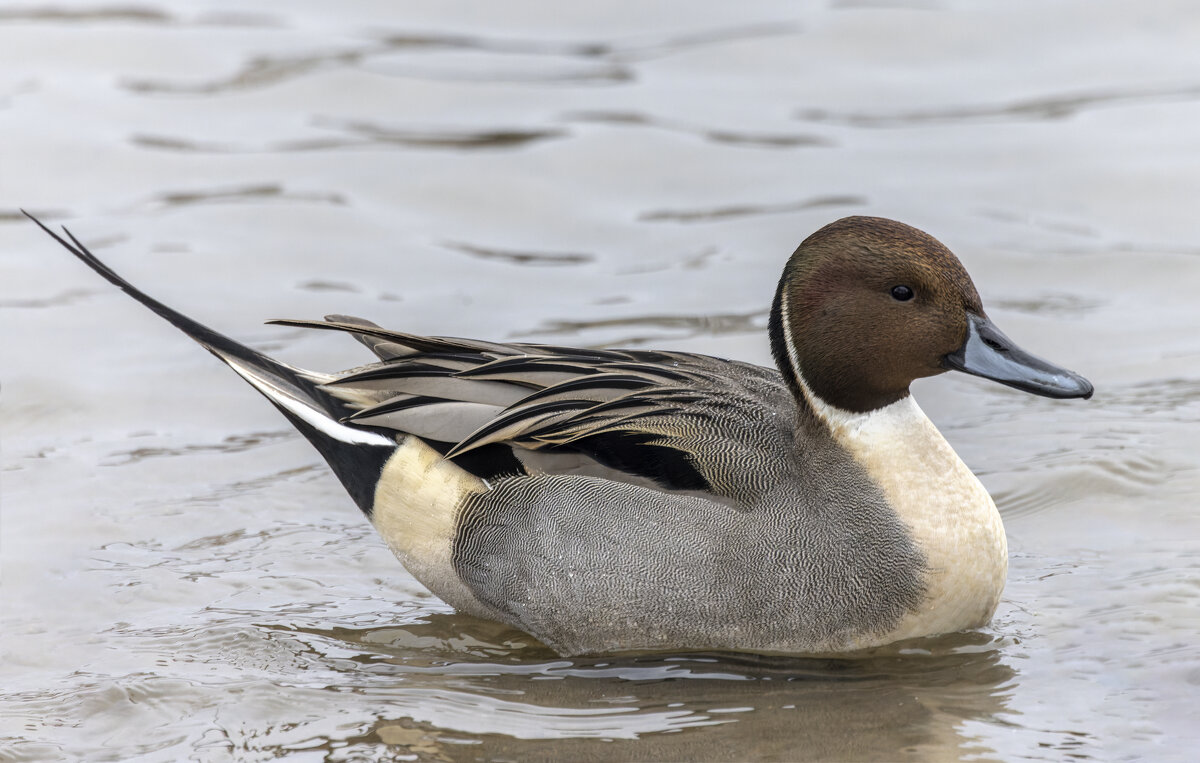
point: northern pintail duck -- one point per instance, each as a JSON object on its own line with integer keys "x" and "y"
{"x": 607, "y": 500}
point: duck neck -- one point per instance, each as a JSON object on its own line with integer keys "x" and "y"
{"x": 948, "y": 512}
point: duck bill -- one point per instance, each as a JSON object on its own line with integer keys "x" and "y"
{"x": 987, "y": 352}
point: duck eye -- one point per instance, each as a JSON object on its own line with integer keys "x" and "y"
{"x": 902, "y": 293}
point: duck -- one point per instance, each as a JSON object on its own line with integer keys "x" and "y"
{"x": 634, "y": 500}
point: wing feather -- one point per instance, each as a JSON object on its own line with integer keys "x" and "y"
{"x": 441, "y": 420}
{"x": 643, "y": 417}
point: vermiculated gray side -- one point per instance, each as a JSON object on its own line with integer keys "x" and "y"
{"x": 804, "y": 555}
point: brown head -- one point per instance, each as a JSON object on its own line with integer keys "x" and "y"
{"x": 866, "y": 305}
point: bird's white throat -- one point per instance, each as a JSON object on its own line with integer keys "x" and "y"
{"x": 953, "y": 520}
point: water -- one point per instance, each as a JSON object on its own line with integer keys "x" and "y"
{"x": 182, "y": 578}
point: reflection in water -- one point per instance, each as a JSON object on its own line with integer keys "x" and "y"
{"x": 680, "y": 706}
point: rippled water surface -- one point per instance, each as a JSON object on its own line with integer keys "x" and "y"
{"x": 183, "y": 579}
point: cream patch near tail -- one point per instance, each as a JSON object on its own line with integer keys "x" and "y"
{"x": 417, "y": 504}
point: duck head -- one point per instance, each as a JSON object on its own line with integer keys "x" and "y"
{"x": 866, "y": 305}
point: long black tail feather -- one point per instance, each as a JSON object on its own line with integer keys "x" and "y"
{"x": 356, "y": 454}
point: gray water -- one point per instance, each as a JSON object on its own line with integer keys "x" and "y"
{"x": 182, "y": 579}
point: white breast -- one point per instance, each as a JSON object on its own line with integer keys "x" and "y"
{"x": 953, "y": 520}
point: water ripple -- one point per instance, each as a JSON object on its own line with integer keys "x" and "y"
{"x": 516, "y": 257}
{"x": 13, "y": 215}
{"x": 134, "y": 14}
{"x": 237, "y": 443}
{"x": 123, "y": 14}
{"x": 1049, "y": 484}
{"x": 629, "y": 49}
{"x": 368, "y": 133}
{"x": 1180, "y": 396}
{"x": 475, "y": 713}
{"x": 603, "y": 61}
{"x": 748, "y": 210}
{"x": 240, "y": 194}
{"x": 1051, "y": 303}
{"x": 710, "y": 134}
{"x": 257, "y": 72}
{"x": 365, "y": 135}
{"x": 1049, "y": 107}
{"x": 55, "y": 300}
{"x": 653, "y": 326}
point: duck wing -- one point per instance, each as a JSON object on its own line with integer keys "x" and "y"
{"x": 678, "y": 422}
